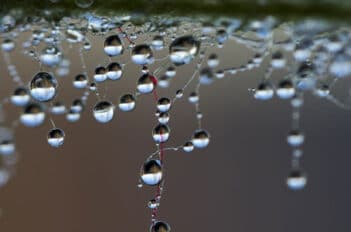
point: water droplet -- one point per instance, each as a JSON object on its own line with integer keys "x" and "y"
{"x": 100, "y": 74}
{"x": 153, "y": 204}
{"x": 146, "y": 84}
{"x": 157, "y": 43}
{"x": 7, "y": 147}
{"x": 80, "y": 81}
{"x": 297, "y": 180}
{"x": 194, "y": 98}
{"x": 285, "y": 89}
{"x": 142, "y": 54}
{"x": 33, "y": 115}
{"x": 8, "y": 45}
{"x": 58, "y": 108}
{"x": 73, "y": 116}
{"x": 113, "y": 45}
{"x": 51, "y": 56}
{"x": 278, "y": 60}
{"x": 20, "y": 97}
{"x": 163, "y": 118}
{"x": 264, "y": 91}
{"x": 151, "y": 172}
{"x": 295, "y": 138}
{"x": 43, "y": 87}
{"x": 183, "y": 50}
{"x": 161, "y": 133}
{"x": 103, "y": 111}
{"x": 206, "y": 76}
{"x": 213, "y": 60}
{"x": 114, "y": 71}
{"x": 188, "y": 147}
{"x": 200, "y": 139}
{"x": 127, "y": 102}
{"x": 160, "y": 226}
{"x": 56, "y": 137}
{"x": 163, "y": 104}
{"x": 170, "y": 72}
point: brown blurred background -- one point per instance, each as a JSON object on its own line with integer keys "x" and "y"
{"x": 236, "y": 184}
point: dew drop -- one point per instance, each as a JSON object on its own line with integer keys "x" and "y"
{"x": 161, "y": 133}
{"x": 160, "y": 226}
{"x": 56, "y": 137}
{"x": 43, "y": 87}
{"x": 113, "y": 45}
{"x": 183, "y": 50}
{"x": 296, "y": 180}
{"x": 127, "y": 102}
{"x": 103, "y": 111}
{"x": 151, "y": 172}
{"x": 142, "y": 54}
{"x": 200, "y": 139}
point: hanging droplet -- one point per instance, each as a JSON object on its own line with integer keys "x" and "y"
{"x": 73, "y": 116}
{"x": 221, "y": 37}
{"x": 77, "y": 106}
{"x": 163, "y": 118}
{"x": 151, "y": 172}
{"x": 58, "y": 108}
{"x": 43, "y": 87}
{"x": 200, "y": 139}
{"x": 56, "y": 137}
{"x": 114, "y": 71}
{"x": 179, "y": 93}
{"x": 142, "y": 54}
{"x": 188, "y": 147}
{"x": 161, "y": 133}
{"x": 113, "y": 45}
{"x": 170, "y": 72}
{"x": 20, "y": 97}
{"x": 163, "y": 104}
{"x": 33, "y": 115}
{"x": 206, "y": 76}
{"x": 8, "y": 45}
{"x": 146, "y": 84}
{"x": 127, "y": 102}
{"x": 213, "y": 60}
{"x": 153, "y": 204}
{"x": 264, "y": 91}
{"x": 160, "y": 226}
{"x": 322, "y": 90}
{"x": 51, "y": 56}
{"x": 7, "y": 147}
{"x": 278, "y": 60}
{"x": 285, "y": 89}
{"x": 103, "y": 111}
{"x": 183, "y": 50}
{"x": 194, "y": 98}
{"x": 157, "y": 43}
{"x": 80, "y": 81}
{"x": 100, "y": 74}
{"x": 297, "y": 180}
{"x": 295, "y": 138}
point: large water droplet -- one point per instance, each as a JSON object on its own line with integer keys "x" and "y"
{"x": 152, "y": 172}
{"x": 43, "y": 87}
{"x": 103, "y": 111}
{"x": 183, "y": 50}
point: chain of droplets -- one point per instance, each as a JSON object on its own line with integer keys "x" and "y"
{"x": 318, "y": 62}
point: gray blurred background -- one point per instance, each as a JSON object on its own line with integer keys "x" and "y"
{"x": 236, "y": 184}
